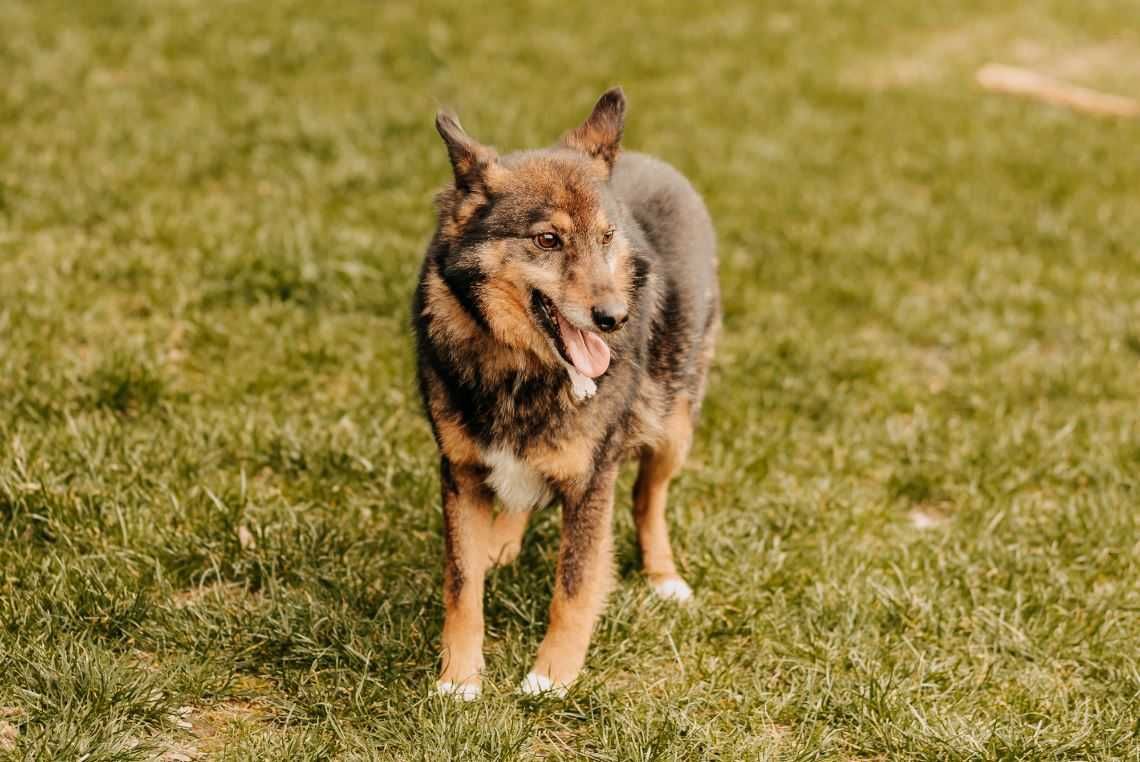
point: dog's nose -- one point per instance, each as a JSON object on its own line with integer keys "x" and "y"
{"x": 610, "y": 316}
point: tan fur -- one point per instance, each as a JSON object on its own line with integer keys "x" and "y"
{"x": 561, "y": 221}
{"x": 504, "y": 298}
{"x": 569, "y": 461}
{"x": 572, "y": 616}
{"x": 513, "y": 324}
{"x": 470, "y": 517}
{"x": 451, "y": 322}
{"x": 623, "y": 276}
{"x": 507, "y": 534}
{"x": 650, "y": 424}
{"x": 454, "y": 441}
{"x": 541, "y": 277}
{"x": 576, "y": 291}
{"x": 600, "y": 134}
{"x": 461, "y": 212}
{"x": 659, "y": 464}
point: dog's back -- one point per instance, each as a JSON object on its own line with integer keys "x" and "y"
{"x": 672, "y": 216}
{"x": 682, "y": 242}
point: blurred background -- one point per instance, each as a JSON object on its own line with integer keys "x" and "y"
{"x": 911, "y": 513}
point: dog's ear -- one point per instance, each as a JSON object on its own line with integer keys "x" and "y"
{"x": 470, "y": 160}
{"x": 600, "y": 135}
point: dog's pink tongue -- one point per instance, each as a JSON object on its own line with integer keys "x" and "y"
{"x": 587, "y": 351}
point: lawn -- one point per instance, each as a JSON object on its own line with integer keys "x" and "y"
{"x": 912, "y": 513}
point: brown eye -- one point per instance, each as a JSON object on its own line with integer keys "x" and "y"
{"x": 547, "y": 241}
{"x": 607, "y": 237}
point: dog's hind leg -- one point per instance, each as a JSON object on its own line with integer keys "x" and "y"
{"x": 467, "y": 530}
{"x": 506, "y": 536}
{"x": 659, "y": 464}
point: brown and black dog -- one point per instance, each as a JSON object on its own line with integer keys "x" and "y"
{"x": 565, "y": 320}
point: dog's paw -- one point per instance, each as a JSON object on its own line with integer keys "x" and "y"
{"x": 463, "y": 691}
{"x": 535, "y": 684}
{"x": 672, "y": 589}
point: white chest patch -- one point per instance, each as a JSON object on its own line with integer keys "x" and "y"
{"x": 518, "y": 485}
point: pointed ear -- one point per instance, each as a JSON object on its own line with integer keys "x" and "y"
{"x": 600, "y": 135}
{"x": 470, "y": 159}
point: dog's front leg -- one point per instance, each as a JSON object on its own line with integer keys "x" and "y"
{"x": 467, "y": 541}
{"x": 584, "y": 577}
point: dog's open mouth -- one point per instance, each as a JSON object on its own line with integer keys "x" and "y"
{"x": 585, "y": 350}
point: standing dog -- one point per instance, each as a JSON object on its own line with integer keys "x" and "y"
{"x": 565, "y": 319}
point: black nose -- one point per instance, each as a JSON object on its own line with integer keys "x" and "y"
{"x": 610, "y": 317}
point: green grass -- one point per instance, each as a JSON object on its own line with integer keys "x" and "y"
{"x": 911, "y": 515}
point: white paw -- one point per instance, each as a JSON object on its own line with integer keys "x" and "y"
{"x": 535, "y": 684}
{"x": 673, "y": 589}
{"x": 461, "y": 691}
{"x": 583, "y": 386}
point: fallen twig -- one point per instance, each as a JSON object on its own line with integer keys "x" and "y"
{"x": 1012, "y": 79}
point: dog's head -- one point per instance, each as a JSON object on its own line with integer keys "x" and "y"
{"x": 534, "y": 239}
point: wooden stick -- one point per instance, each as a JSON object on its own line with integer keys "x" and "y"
{"x": 1012, "y": 79}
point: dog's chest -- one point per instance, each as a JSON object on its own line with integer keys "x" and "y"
{"x": 518, "y": 484}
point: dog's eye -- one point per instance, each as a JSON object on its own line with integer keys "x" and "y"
{"x": 607, "y": 237}
{"x": 547, "y": 241}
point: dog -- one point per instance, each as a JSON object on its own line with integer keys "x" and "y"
{"x": 565, "y": 318}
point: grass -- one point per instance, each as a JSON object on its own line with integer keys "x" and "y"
{"x": 911, "y": 514}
